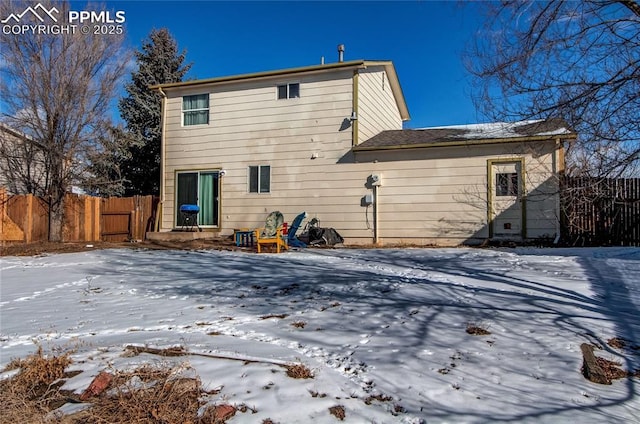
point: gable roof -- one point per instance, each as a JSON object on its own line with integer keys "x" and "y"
{"x": 314, "y": 69}
{"x": 497, "y": 132}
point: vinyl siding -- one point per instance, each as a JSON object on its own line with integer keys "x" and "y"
{"x": 248, "y": 125}
{"x": 439, "y": 195}
{"x": 377, "y": 109}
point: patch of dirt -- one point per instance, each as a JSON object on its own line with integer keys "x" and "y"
{"x": 45, "y": 247}
{"x": 39, "y": 248}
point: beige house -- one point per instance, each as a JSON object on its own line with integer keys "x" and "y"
{"x": 22, "y": 168}
{"x": 328, "y": 140}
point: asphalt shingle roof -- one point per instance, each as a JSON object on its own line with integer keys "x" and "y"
{"x": 466, "y": 133}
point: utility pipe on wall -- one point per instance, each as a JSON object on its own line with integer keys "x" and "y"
{"x": 376, "y": 235}
{"x": 162, "y": 159}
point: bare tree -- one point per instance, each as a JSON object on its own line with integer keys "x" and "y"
{"x": 56, "y": 87}
{"x": 578, "y": 60}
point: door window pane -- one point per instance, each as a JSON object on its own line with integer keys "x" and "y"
{"x": 187, "y": 192}
{"x": 208, "y": 198}
{"x": 507, "y": 184}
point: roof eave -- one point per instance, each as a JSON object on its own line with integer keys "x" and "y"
{"x": 354, "y": 64}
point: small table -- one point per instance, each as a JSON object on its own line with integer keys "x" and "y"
{"x": 244, "y": 237}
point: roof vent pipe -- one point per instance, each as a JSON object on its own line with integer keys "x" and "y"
{"x": 340, "y": 53}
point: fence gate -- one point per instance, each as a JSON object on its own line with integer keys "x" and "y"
{"x": 116, "y": 219}
{"x": 116, "y": 226}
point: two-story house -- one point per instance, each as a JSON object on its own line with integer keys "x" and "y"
{"x": 328, "y": 140}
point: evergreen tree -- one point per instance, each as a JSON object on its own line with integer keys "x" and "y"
{"x": 159, "y": 62}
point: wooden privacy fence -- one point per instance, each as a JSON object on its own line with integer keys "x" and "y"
{"x": 601, "y": 212}
{"x": 25, "y": 218}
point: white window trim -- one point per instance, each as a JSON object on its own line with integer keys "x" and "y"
{"x": 287, "y": 84}
{"x": 259, "y": 166}
{"x": 196, "y": 110}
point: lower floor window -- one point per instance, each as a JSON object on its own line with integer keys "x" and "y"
{"x": 200, "y": 188}
{"x": 260, "y": 179}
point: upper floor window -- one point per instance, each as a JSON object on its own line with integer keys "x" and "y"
{"x": 260, "y": 179}
{"x": 195, "y": 109}
{"x": 289, "y": 91}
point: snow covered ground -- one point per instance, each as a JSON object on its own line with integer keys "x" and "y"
{"x": 385, "y": 323}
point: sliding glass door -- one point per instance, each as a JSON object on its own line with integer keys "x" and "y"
{"x": 200, "y": 188}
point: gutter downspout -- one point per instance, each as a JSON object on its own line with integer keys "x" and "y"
{"x": 556, "y": 171}
{"x": 354, "y": 109}
{"x": 162, "y": 157}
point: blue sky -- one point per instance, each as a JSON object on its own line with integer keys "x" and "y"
{"x": 424, "y": 39}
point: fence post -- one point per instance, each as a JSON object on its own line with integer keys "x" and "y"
{"x": 3, "y": 211}
{"x": 3, "y": 208}
{"x": 96, "y": 218}
{"x": 88, "y": 218}
{"x": 28, "y": 220}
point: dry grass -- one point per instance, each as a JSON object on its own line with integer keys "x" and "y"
{"x": 149, "y": 394}
{"x": 333, "y": 305}
{"x": 279, "y": 316}
{"x": 380, "y": 398}
{"x": 620, "y": 343}
{"x": 612, "y": 369}
{"x": 34, "y": 390}
{"x": 315, "y": 394}
{"x": 299, "y": 371}
{"x": 298, "y": 324}
{"x": 338, "y": 412}
{"x": 617, "y": 342}
{"x": 477, "y": 330}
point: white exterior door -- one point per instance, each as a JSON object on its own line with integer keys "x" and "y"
{"x": 506, "y": 194}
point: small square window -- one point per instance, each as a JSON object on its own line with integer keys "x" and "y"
{"x": 289, "y": 91}
{"x": 507, "y": 184}
{"x": 260, "y": 179}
